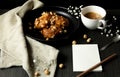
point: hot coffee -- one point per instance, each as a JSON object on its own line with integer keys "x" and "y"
{"x": 93, "y": 15}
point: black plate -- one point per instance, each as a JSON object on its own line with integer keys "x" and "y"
{"x": 30, "y": 16}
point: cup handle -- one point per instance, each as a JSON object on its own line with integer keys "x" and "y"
{"x": 102, "y": 24}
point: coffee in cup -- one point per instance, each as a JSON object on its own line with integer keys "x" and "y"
{"x": 92, "y": 17}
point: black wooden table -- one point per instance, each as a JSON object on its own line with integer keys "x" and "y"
{"x": 110, "y": 69}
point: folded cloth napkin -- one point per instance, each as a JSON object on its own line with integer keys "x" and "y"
{"x": 17, "y": 49}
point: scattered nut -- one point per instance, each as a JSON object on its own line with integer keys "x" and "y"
{"x": 85, "y": 36}
{"x": 74, "y": 42}
{"x": 61, "y": 65}
{"x": 37, "y": 74}
{"x": 88, "y": 40}
{"x": 34, "y": 60}
{"x": 30, "y": 27}
{"x": 46, "y": 71}
{"x": 65, "y": 31}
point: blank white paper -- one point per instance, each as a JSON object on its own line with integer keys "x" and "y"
{"x": 85, "y": 56}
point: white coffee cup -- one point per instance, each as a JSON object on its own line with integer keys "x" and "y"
{"x": 92, "y": 17}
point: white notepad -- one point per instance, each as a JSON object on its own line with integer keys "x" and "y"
{"x": 85, "y": 56}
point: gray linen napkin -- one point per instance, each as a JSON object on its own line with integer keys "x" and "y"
{"x": 16, "y": 49}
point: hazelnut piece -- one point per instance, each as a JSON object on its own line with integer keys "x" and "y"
{"x": 61, "y": 65}
{"x": 46, "y": 71}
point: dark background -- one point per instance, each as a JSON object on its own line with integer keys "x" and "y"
{"x": 107, "y": 4}
{"x": 110, "y": 69}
